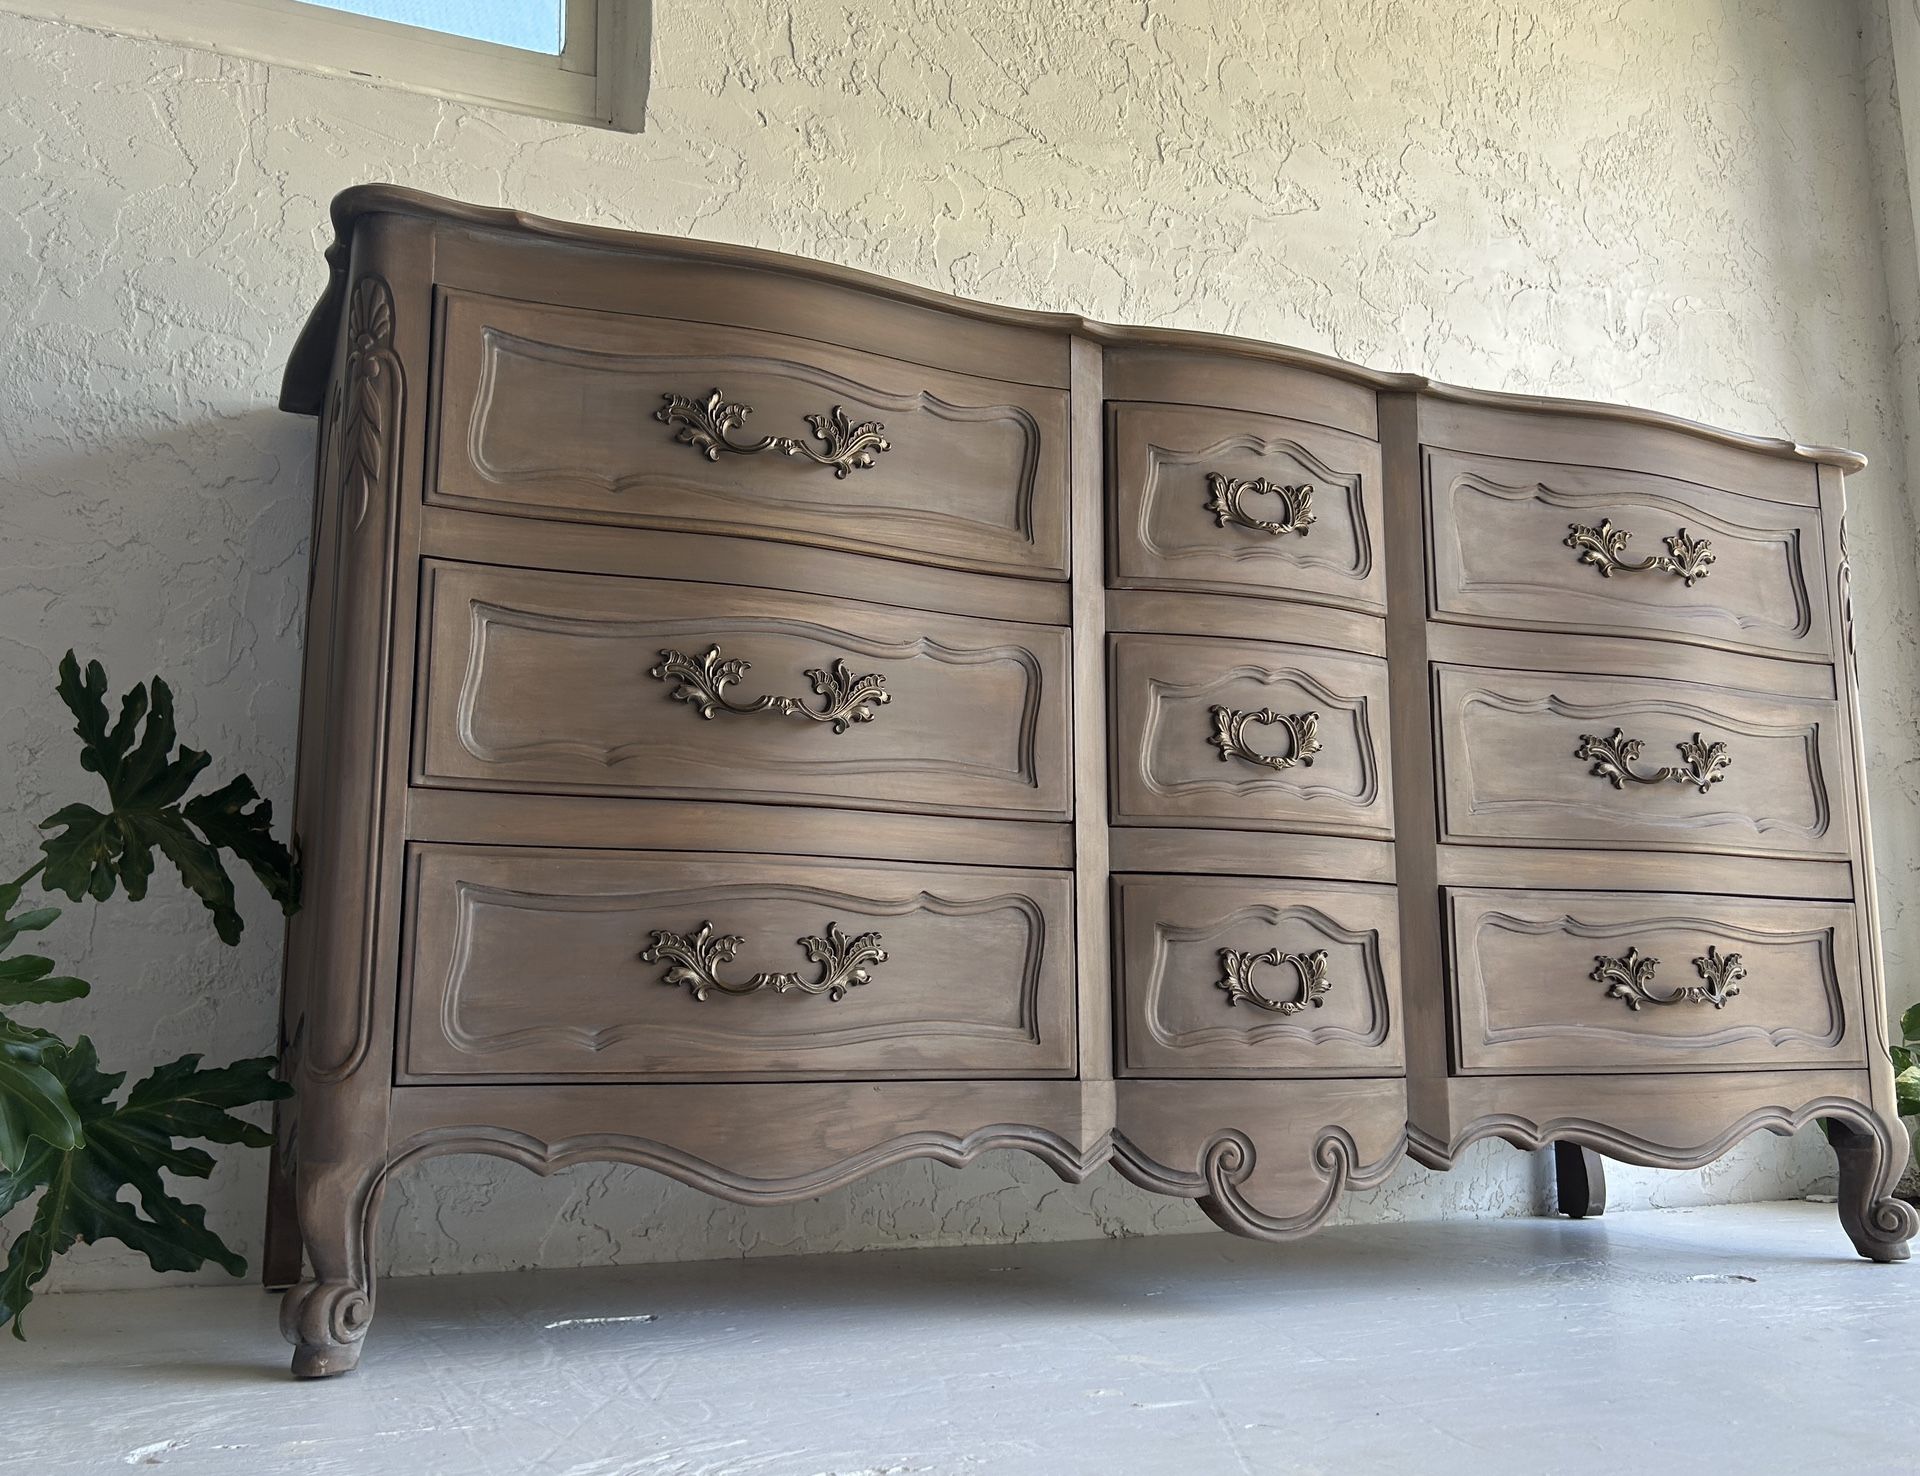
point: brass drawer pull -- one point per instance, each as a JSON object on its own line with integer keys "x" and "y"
{"x": 703, "y": 684}
{"x": 1237, "y": 978}
{"x": 694, "y": 961}
{"x": 1630, "y": 978}
{"x": 845, "y": 445}
{"x": 1614, "y": 756}
{"x": 1605, "y": 548}
{"x": 1223, "y": 501}
{"x": 1303, "y": 736}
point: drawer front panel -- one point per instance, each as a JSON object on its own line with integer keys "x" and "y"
{"x": 1226, "y": 500}
{"x": 598, "y": 684}
{"x": 1579, "y": 981}
{"x": 614, "y": 966}
{"x": 604, "y": 418}
{"x": 1250, "y": 735}
{"x": 1531, "y": 758}
{"x": 1598, "y": 551}
{"x": 1249, "y": 977}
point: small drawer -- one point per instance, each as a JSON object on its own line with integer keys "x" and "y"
{"x": 598, "y": 417}
{"x": 1250, "y": 735}
{"x": 586, "y": 683}
{"x": 1598, "y": 551}
{"x": 1537, "y": 759}
{"x": 1249, "y": 977}
{"x": 1226, "y": 500}
{"x": 625, "y": 966}
{"x": 1581, "y": 981}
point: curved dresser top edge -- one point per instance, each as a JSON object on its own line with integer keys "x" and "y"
{"x": 302, "y": 387}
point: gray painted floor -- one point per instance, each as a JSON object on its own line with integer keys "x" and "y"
{"x": 1739, "y": 1339}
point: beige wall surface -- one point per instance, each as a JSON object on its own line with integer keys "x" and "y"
{"x": 1668, "y": 202}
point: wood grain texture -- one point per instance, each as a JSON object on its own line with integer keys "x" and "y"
{"x": 1529, "y": 758}
{"x": 529, "y": 965}
{"x": 537, "y": 681}
{"x": 1169, "y": 531}
{"x": 1178, "y": 1018}
{"x": 1499, "y": 555}
{"x": 1526, "y": 998}
{"x": 1170, "y": 764}
{"x": 552, "y": 412}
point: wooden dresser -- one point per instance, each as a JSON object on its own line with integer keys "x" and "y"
{"x": 764, "y": 723}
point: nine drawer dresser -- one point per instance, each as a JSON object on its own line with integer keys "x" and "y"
{"x": 763, "y": 722}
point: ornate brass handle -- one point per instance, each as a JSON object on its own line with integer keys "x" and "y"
{"x": 703, "y": 684}
{"x": 1230, "y": 736}
{"x": 694, "y": 961}
{"x": 1613, "y": 759}
{"x": 1223, "y": 501}
{"x": 1630, "y": 977}
{"x": 1605, "y": 548}
{"x": 1237, "y": 978}
{"x": 845, "y": 445}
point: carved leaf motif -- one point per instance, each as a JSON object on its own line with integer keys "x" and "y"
{"x": 846, "y": 445}
{"x": 372, "y": 387}
{"x": 1605, "y": 548}
{"x": 694, "y": 961}
{"x": 702, "y": 684}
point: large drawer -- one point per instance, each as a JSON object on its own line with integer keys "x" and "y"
{"x": 1226, "y": 500}
{"x": 1579, "y": 981}
{"x": 607, "y": 418}
{"x": 622, "y": 966}
{"x": 1531, "y": 758}
{"x": 581, "y": 683}
{"x": 1597, "y": 550}
{"x": 1250, "y": 977}
{"x": 1251, "y": 735}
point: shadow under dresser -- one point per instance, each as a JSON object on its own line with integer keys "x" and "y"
{"x": 763, "y": 722}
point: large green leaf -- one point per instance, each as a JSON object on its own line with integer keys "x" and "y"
{"x": 128, "y": 1145}
{"x": 1910, "y": 1025}
{"x": 33, "y": 1103}
{"x": 146, "y": 782}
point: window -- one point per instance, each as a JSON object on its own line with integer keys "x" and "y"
{"x": 582, "y": 61}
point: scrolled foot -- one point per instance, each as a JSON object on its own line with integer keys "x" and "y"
{"x": 1878, "y": 1224}
{"x": 326, "y": 1321}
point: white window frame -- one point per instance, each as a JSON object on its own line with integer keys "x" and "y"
{"x": 600, "y": 79}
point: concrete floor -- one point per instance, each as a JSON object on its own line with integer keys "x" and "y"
{"x": 1738, "y": 1339}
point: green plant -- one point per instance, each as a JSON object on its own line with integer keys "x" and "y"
{"x": 63, "y": 1135}
{"x": 1906, "y": 1065}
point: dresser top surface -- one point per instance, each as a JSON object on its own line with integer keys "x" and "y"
{"x": 303, "y": 388}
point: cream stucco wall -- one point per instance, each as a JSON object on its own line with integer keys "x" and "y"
{"x": 1668, "y": 202}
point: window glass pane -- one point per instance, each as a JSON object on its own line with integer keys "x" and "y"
{"x": 530, "y": 25}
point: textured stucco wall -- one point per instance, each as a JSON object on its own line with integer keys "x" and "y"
{"x": 1669, "y": 202}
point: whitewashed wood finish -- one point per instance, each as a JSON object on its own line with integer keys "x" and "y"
{"x": 526, "y": 964}
{"x": 1526, "y": 1001}
{"x": 1167, "y": 769}
{"x": 1511, "y": 772}
{"x": 1177, "y": 1020}
{"x": 538, "y": 681}
{"x": 549, "y": 412}
{"x": 1499, "y": 555}
{"x": 1165, "y": 537}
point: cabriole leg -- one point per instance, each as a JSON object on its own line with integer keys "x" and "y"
{"x": 1878, "y": 1224}
{"x": 1580, "y": 1181}
{"x": 326, "y": 1318}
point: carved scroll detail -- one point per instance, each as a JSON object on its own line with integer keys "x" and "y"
{"x": 702, "y": 684}
{"x": 846, "y": 445}
{"x": 1614, "y": 756}
{"x": 1224, "y": 496}
{"x": 1605, "y": 548}
{"x": 1230, "y": 736}
{"x": 1630, "y": 978}
{"x": 695, "y": 959}
{"x": 371, "y": 396}
{"x": 1237, "y": 978}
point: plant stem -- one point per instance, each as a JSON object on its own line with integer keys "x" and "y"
{"x": 29, "y": 874}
